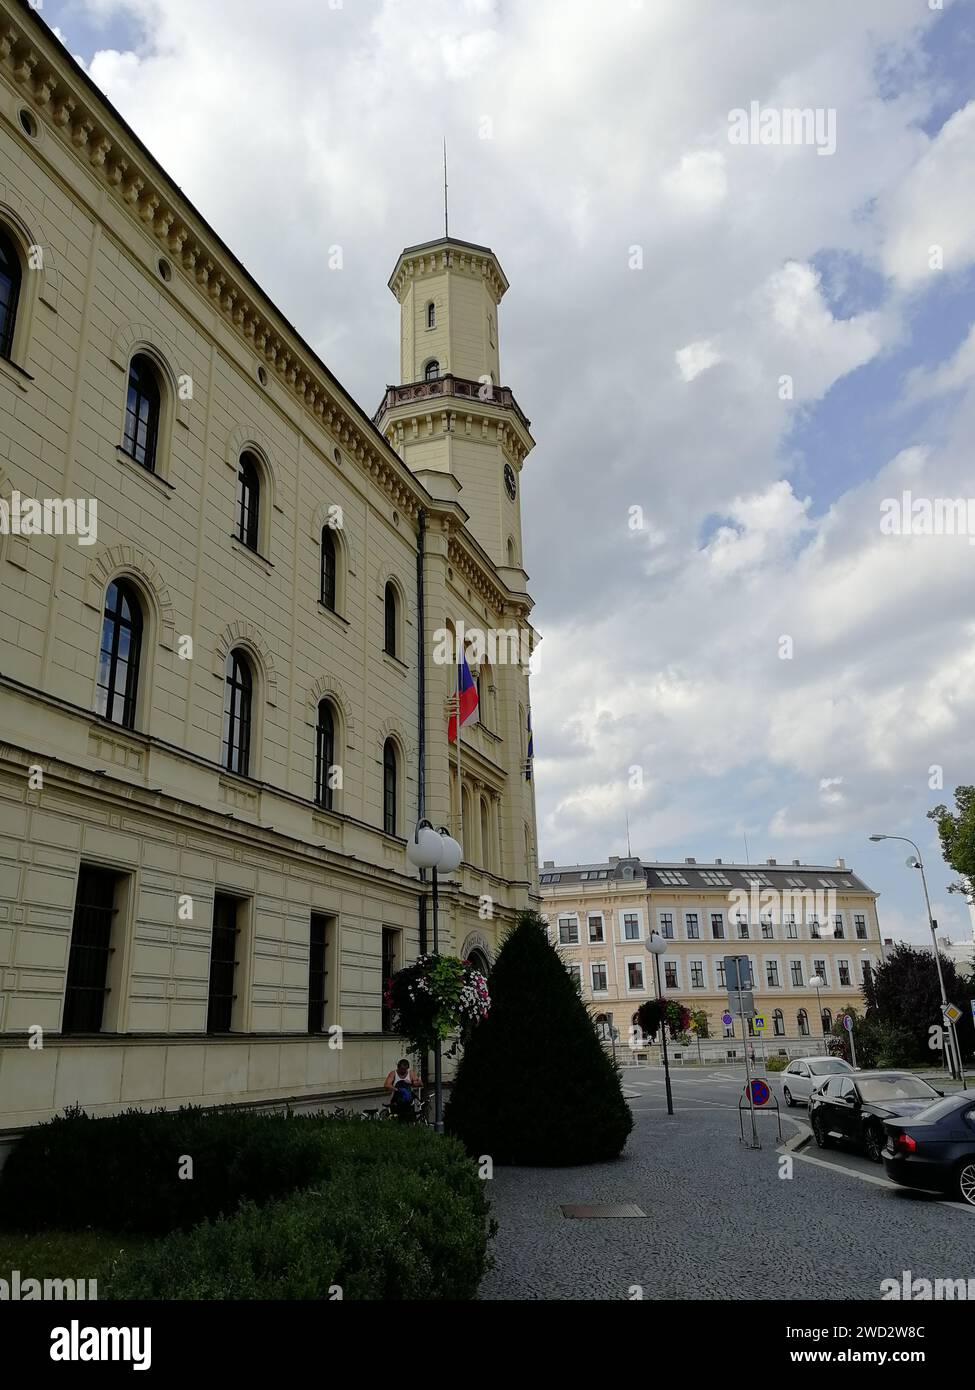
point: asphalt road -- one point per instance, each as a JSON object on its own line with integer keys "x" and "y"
{"x": 721, "y": 1220}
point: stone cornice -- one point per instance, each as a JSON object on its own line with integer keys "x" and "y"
{"x": 418, "y": 262}
{"x": 68, "y": 103}
{"x": 404, "y": 424}
{"x": 465, "y": 562}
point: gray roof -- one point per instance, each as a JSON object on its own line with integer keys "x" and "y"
{"x": 703, "y": 877}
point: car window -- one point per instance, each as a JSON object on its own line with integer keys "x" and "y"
{"x": 830, "y": 1087}
{"x": 829, "y": 1065}
{"x": 802, "y": 1070}
{"x": 883, "y": 1088}
{"x": 843, "y": 1086}
{"x": 943, "y": 1108}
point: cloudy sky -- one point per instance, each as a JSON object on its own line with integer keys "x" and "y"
{"x": 731, "y": 354}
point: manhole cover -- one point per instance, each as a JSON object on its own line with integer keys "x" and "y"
{"x": 578, "y": 1213}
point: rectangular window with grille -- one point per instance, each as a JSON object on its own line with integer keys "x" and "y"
{"x": 599, "y": 982}
{"x": 317, "y": 972}
{"x": 860, "y": 922}
{"x": 390, "y": 964}
{"x": 843, "y": 966}
{"x": 631, "y": 926}
{"x": 693, "y": 926}
{"x": 670, "y": 974}
{"x": 697, "y": 974}
{"x": 717, "y": 926}
{"x": 223, "y": 964}
{"x": 91, "y": 949}
{"x": 719, "y": 974}
{"x": 568, "y": 931}
{"x": 667, "y": 925}
{"x": 772, "y": 973}
{"x": 596, "y": 929}
{"x": 795, "y": 968}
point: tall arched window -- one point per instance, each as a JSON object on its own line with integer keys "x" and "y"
{"x": 778, "y": 1024}
{"x": 248, "y": 501}
{"x": 142, "y": 405}
{"x": 238, "y": 700}
{"x": 468, "y": 826}
{"x": 486, "y": 853}
{"x": 10, "y": 281}
{"x": 390, "y": 619}
{"x": 827, "y": 1020}
{"x": 329, "y": 568}
{"x": 803, "y": 1020}
{"x": 389, "y": 787}
{"x": 121, "y": 650}
{"x": 432, "y": 370}
{"x": 324, "y": 754}
{"x": 431, "y": 315}
{"x": 511, "y": 552}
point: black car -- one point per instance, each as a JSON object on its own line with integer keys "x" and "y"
{"x": 855, "y": 1107}
{"x": 936, "y": 1149}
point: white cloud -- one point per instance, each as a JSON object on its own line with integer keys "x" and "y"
{"x": 695, "y": 359}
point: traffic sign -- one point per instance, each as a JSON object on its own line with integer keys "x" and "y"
{"x": 951, "y": 1014}
{"x": 761, "y": 1095}
{"x": 848, "y": 1022}
{"x": 746, "y": 1007}
{"x": 737, "y": 972}
{"x": 758, "y": 1023}
{"x": 727, "y": 1019}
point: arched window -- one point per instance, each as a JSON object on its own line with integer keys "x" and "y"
{"x": 778, "y": 1024}
{"x": 432, "y": 370}
{"x": 468, "y": 826}
{"x": 390, "y": 772}
{"x": 827, "y": 1020}
{"x": 390, "y": 619}
{"x": 803, "y": 1019}
{"x": 10, "y": 280}
{"x": 511, "y": 553}
{"x": 431, "y": 315}
{"x": 248, "y": 501}
{"x": 604, "y": 1027}
{"x": 238, "y": 700}
{"x": 118, "y": 660}
{"x": 486, "y": 855}
{"x": 329, "y": 557}
{"x": 142, "y": 405}
{"x": 324, "y": 754}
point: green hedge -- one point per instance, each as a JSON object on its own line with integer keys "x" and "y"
{"x": 121, "y": 1172}
{"x": 777, "y": 1064}
{"x": 384, "y": 1233}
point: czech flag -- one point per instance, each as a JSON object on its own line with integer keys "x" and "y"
{"x": 466, "y": 699}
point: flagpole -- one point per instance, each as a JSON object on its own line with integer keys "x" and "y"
{"x": 460, "y": 789}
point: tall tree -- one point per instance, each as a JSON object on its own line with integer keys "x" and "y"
{"x": 957, "y": 832}
{"x": 904, "y": 993}
{"x": 534, "y": 1085}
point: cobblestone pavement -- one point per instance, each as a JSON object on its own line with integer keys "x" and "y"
{"x": 720, "y": 1221}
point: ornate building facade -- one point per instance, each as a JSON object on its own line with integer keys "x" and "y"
{"x": 796, "y": 923}
{"x": 223, "y": 705}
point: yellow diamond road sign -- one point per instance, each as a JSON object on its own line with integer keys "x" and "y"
{"x": 951, "y": 1013}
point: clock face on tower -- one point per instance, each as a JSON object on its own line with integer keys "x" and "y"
{"x": 509, "y": 481}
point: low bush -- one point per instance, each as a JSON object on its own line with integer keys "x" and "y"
{"x": 386, "y": 1231}
{"x": 777, "y": 1063}
{"x": 123, "y": 1172}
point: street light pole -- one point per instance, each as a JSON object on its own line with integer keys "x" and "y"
{"x": 953, "y": 1036}
{"x": 656, "y": 945}
{"x": 817, "y": 983}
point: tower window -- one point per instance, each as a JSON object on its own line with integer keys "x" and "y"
{"x": 390, "y": 774}
{"x": 237, "y": 714}
{"x": 142, "y": 412}
{"x": 432, "y": 370}
{"x": 10, "y": 278}
{"x": 324, "y": 755}
{"x": 328, "y": 567}
{"x": 390, "y": 619}
{"x": 248, "y": 501}
{"x": 431, "y": 315}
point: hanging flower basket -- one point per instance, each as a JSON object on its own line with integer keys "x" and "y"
{"x": 435, "y": 997}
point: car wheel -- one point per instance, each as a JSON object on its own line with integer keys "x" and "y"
{"x": 820, "y": 1132}
{"x": 965, "y": 1182}
{"x": 874, "y": 1142}
{"x": 787, "y": 1096}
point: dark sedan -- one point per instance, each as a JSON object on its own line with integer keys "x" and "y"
{"x": 854, "y": 1108}
{"x": 935, "y": 1150}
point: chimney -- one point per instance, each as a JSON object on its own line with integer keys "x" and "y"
{"x": 796, "y": 863}
{"x": 549, "y": 864}
{"x": 841, "y": 863}
{"x": 690, "y": 861}
{"x": 614, "y": 859}
{"x": 771, "y": 861}
{"x": 717, "y": 861}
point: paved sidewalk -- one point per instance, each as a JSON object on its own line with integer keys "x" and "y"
{"x": 721, "y": 1223}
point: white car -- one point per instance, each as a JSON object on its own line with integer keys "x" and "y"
{"x": 802, "y": 1076}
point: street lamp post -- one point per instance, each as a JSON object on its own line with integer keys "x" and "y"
{"x": 917, "y": 863}
{"x": 656, "y": 945}
{"x": 435, "y": 849}
{"x": 817, "y": 983}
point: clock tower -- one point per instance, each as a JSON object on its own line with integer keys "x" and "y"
{"x": 451, "y": 415}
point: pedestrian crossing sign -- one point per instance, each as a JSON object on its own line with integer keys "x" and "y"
{"x": 758, "y": 1023}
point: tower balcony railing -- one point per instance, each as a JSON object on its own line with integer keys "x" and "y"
{"x": 447, "y": 386}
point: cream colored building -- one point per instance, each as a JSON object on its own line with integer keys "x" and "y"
{"x": 795, "y": 922}
{"x": 222, "y": 718}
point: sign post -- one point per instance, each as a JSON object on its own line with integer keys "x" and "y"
{"x": 738, "y": 977}
{"x": 848, "y": 1025}
{"x": 951, "y": 1016}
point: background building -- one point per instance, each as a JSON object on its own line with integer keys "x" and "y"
{"x": 793, "y": 922}
{"x": 223, "y": 717}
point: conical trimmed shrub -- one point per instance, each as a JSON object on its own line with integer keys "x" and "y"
{"x": 534, "y": 1085}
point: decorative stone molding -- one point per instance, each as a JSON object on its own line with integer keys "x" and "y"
{"x": 15, "y": 549}
{"x": 129, "y": 339}
{"x": 328, "y": 688}
{"x": 395, "y": 728}
{"x": 250, "y": 437}
{"x": 26, "y": 221}
{"x": 346, "y": 535}
{"x": 109, "y": 562}
{"x": 417, "y": 263}
{"x": 61, "y": 100}
{"x": 244, "y": 634}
